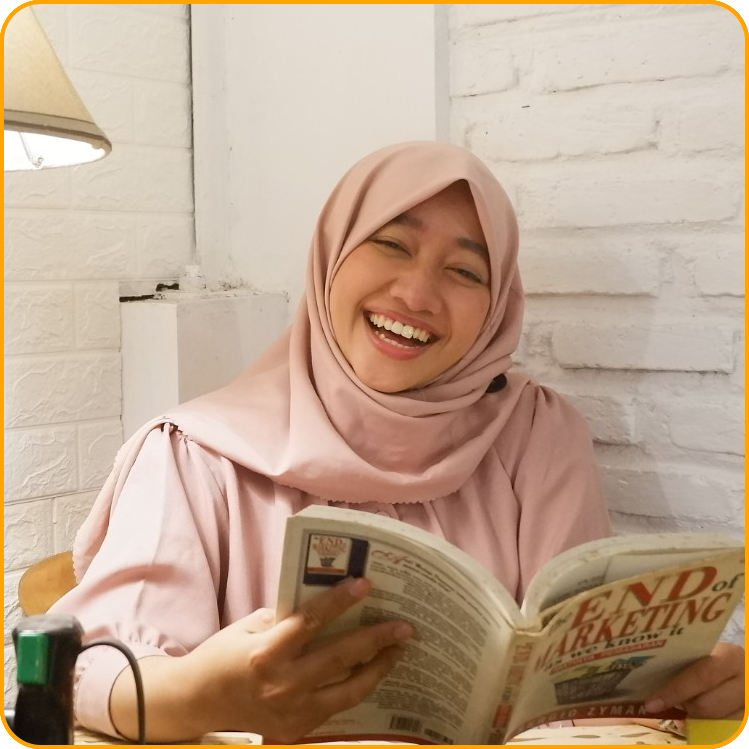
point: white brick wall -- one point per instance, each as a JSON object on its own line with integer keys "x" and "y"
{"x": 72, "y": 238}
{"x": 618, "y": 132}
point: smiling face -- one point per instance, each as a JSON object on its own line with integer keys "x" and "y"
{"x": 410, "y": 301}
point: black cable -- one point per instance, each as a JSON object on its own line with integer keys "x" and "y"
{"x": 139, "y": 696}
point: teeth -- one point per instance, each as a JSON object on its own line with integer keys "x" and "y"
{"x": 406, "y": 331}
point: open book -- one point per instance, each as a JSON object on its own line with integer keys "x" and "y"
{"x": 602, "y": 625}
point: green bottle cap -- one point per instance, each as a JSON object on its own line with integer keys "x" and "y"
{"x": 32, "y": 658}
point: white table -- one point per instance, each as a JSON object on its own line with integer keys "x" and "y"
{"x": 628, "y": 734}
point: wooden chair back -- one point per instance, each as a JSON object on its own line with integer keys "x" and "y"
{"x": 45, "y": 582}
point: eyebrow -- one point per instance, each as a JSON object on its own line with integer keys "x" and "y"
{"x": 478, "y": 247}
{"x": 467, "y": 244}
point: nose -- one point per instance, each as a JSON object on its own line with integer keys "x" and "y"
{"x": 418, "y": 289}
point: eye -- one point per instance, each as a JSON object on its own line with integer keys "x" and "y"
{"x": 389, "y": 245}
{"x": 469, "y": 275}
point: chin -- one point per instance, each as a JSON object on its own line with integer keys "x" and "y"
{"x": 390, "y": 385}
{"x": 382, "y": 383}
{"x": 385, "y": 387}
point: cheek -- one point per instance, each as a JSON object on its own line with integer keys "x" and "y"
{"x": 337, "y": 306}
{"x": 344, "y": 297}
{"x": 472, "y": 319}
{"x": 355, "y": 280}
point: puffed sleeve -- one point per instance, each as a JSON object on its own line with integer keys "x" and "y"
{"x": 556, "y": 482}
{"x": 156, "y": 578}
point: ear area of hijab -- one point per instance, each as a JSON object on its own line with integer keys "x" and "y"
{"x": 497, "y": 384}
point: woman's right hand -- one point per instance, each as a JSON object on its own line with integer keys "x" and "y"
{"x": 256, "y": 676}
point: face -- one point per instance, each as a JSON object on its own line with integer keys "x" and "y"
{"x": 411, "y": 300}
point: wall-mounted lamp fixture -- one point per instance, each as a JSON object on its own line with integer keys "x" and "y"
{"x": 46, "y": 123}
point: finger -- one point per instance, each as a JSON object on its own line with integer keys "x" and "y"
{"x": 350, "y": 692}
{"x": 311, "y": 617}
{"x": 327, "y": 702}
{"x": 700, "y": 678}
{"x": 336, "y": 659}
{"x": 726, "y": 701}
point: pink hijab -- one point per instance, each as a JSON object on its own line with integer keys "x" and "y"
{"x": 301, "y": 416}
{"x": 507, "y": 475}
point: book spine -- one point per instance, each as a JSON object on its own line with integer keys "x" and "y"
{"x": 504, "y": 717}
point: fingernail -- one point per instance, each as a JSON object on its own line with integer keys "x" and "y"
{"x": 403, "y": 632}
{"x": 655, "y": 705}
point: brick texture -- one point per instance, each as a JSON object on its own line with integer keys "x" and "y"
{"x": 72, "y": 237}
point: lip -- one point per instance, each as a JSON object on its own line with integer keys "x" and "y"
{"x": 389, "y": 349}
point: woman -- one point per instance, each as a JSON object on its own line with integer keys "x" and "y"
{"x": 389, "y": 394}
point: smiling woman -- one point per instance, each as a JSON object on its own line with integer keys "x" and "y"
{"x": 390, "y": 393}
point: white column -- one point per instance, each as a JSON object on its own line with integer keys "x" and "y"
{"x": 287, "y": 97}
{"x": 177, "y": 348}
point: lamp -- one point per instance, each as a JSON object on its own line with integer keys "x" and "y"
{"x": 46, "y": 123}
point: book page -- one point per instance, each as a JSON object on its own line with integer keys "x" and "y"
{"x": 604, "y": 561}
{"x": 604, "y": 651}
{"x": 444, "y": 689}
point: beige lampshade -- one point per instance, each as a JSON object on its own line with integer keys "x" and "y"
{"x": 46, "y": 123}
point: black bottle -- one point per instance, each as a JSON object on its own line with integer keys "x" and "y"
{"x": 46, "y": 649}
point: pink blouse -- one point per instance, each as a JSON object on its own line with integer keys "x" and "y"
{"x": 194, "y": 540}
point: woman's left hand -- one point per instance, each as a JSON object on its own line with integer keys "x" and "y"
{"x": 712, "y": 687}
